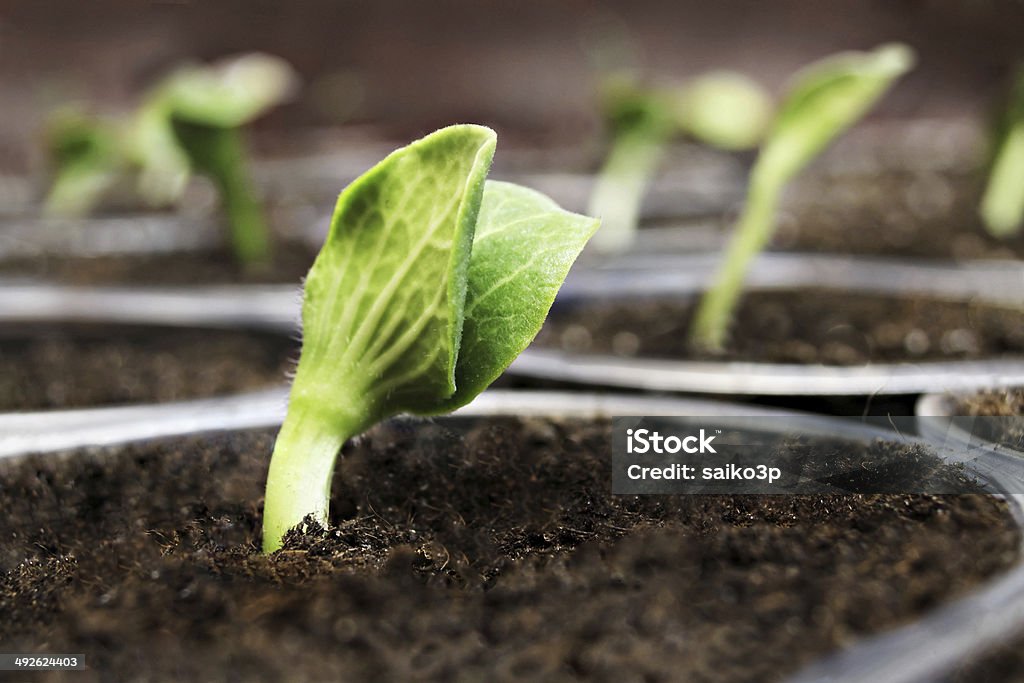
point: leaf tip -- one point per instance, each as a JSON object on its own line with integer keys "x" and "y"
{"x": 894, "y": 58}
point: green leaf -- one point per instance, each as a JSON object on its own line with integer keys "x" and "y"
{"x": 825, "y": 99}
{"x": 524, "y": 247}
{"x": 219, "y": 154}
{"x": 231, "y": 92}
{"x": 384, "y": 300}
{"x": 724, "y": 109}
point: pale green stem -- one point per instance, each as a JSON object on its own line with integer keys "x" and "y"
{"x": 621, "y": 187}
{"x": 299, "y": 481}
{"x": 714, "y": 315}
{"x": 77, "y": 189}
{"x": 1002, "y": 207}
{"x": 249, "y": 232}
{"x": 219, "y": 153}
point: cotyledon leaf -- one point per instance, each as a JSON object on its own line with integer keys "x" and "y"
{"x": 384, "y": 300}
{"x": 231, "y": 92}
{"x": 826, "y": 98}
{"x": 522, "y": 252}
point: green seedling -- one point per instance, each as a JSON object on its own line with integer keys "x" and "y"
{"x": 87, "y": 160}
{"x": 192, "y": 123}
{"x": 1002, "y": 206}
{"x": 825, "y": 99}
{"x": 722, "y": 109}
{"x": 431, "y": 281}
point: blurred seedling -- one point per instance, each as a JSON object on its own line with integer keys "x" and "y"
{"x": 824, "y": 99}
{"x": 722, "y": 109}
{"x": 189, "y": 123}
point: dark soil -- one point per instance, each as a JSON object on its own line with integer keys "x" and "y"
{"x": 499, "y": 555}
{"x": 291, "y": 262}
{"x": 1001, "y": 403}
{"x": 797, "y": 326}
{"x": 1004, "y": 664}
{"x": 893, "y": 213}
{"x": 1004, "y": 407}
{"x": 70, "y": 366}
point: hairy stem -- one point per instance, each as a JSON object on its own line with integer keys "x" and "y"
{"x": 301, "y": 468}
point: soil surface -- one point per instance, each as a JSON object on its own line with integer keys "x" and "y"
{"x": 1001, "y": 403}
{"x": 1004, "y": 664}
{"x": 832, "y": 328}
{"x": 291, "y": 261}
{"x": 495, "y": 555}
{"x": 893, "y": 213}
{"x": 1005, "y": 407}
{"x": 70, "y": 366}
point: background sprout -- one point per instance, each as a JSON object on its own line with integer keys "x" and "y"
{"x": 825, "y": 99}
{"x": 1002, "y": 206}
{"x": 86, "y": 158}
{"x": 641, "y": 120}
{"x": 431, "y": 281}
{"x": 192, "y": 122}
{"x": 722, "y": 109}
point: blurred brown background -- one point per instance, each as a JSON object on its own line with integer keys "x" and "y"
{"x": 527, "y": 68}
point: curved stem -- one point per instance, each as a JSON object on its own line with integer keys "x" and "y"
{"x": 301, "y": 468}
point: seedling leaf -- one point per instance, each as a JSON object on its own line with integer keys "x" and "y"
{"x": 724, "y": 109}
{"x": 384, "y": 300}
{"x": 230, "y": 93}
{"x": 522, "y": 252}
